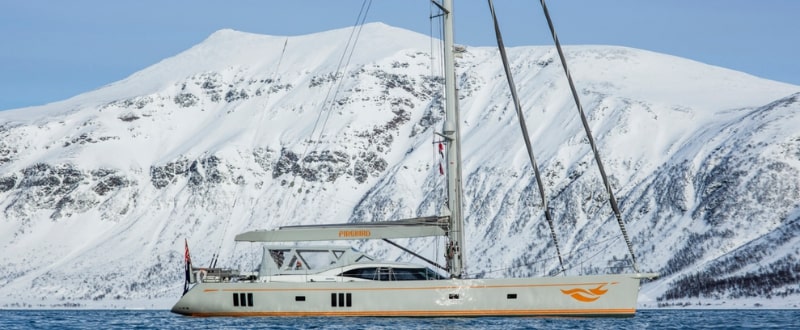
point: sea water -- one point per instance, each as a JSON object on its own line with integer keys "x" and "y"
{"x": 161, "y": 319}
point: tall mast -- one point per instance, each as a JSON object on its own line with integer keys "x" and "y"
{"x": 455, "y": 248}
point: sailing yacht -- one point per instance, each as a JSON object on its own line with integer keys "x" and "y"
{"x": 334, "y": 280}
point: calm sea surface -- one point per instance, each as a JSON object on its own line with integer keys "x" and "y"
{"x": 158, "y": 319}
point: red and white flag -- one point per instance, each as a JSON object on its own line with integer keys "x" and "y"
{"x": 188, "y": 267}
{"x": 186, "y": 256}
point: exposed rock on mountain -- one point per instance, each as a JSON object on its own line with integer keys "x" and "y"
{"x": 98, "y": 192}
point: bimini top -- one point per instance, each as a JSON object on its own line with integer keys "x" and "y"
{"x": 406, "y": 228}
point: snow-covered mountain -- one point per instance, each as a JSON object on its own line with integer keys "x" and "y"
{"x": 98, "y": 192}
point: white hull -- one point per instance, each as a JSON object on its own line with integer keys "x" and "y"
{"x": 597, "y": 295}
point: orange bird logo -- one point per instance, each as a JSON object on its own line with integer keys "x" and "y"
{"x": 585, "y": 295}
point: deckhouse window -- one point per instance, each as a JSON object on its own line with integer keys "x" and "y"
{"x": 278, "y": 256}
{"x": 415, "y": 274}
{"x": 368, "y": 273}
{"x": 315, "y": 259}
{"x": 392, "y": 274}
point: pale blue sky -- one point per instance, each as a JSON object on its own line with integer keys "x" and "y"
{"x": 51, "y": 49}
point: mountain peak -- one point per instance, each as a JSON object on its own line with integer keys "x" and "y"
{"x": 238, "y": 133}
{"x": 225, "y": 34}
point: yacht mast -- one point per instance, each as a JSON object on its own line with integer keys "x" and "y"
{"x": 455, "y": 248}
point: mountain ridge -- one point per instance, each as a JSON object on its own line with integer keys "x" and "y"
{"x": 119, "y": 176}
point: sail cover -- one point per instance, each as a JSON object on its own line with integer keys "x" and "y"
{"x": 406, "y": 228}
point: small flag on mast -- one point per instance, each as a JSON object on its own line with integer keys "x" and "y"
{"x": 441, "y": 154}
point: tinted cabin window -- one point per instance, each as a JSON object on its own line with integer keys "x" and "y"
{"x": 393, "y": 274}
{"x": 365, "y": 273}
{"x": 432, "y": 275}
{"x": 385, "y": 274}
{"x": 414, "y": 274}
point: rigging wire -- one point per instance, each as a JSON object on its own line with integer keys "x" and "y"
{"x": 338, "y": 88}
{"x": 611, "y": 199}
{"x": 524, "y": 128}
{"x": 266, "y": 82}
{"x": 436, "y": 71}
{"x": 608, "y": 243}
{"x": 218, "y": 252}
{"x": 356, "y": 31}
{"x": 254, "y": 140}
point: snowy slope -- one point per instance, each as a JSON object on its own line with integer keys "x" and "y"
{"x": 98, "y": 192}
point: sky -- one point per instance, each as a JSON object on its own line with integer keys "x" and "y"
{"x": 51, "y": 50}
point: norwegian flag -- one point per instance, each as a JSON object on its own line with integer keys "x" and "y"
{"x": 188, "y": 260}
{"x": 186, "y": 256}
